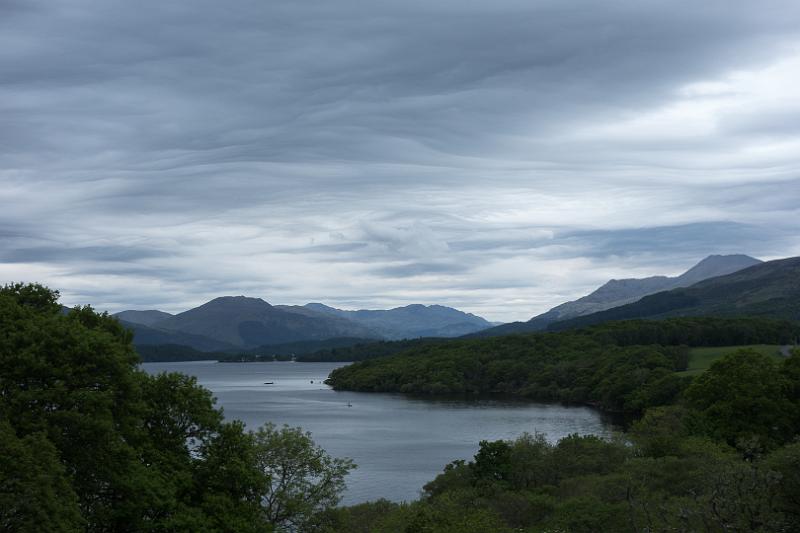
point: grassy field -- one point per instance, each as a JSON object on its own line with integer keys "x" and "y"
{"x": 701, "y": 358}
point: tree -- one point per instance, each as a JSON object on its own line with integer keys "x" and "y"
{"x": 229, "y": 485}
{"x": 301, "y": 479}
{"x": 71, "y": 377}
{"x": 744, "y": 396}
{"x": 35, "y": 494}
{"x": 179, "y": 413}
{"x": 88, "y": 442}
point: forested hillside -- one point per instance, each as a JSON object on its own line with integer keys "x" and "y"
{"x": 625, "y": 366}
{"x": 770, "y": 289}
{"x": 618, "y": 292}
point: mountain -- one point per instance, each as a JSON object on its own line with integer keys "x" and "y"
{"x": 249, "y": 322}
{"x": 714, "y": 266}
{"x": 619, "y": 292}
{"x": 770, "y": 289}
{"x": 236, "y": 323}
{"x": 411, "y": 321}
{"x": 148, "y": 336}
{"x": 146, "y": 318}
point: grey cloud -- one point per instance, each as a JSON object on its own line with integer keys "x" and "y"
{"x": 419, "y": 269}
{"x": 107, "y": 253}
{"x": 706, "y": 237}
{"x": 312, "y": 150}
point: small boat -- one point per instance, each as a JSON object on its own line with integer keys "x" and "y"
{"x": 349, "y": 404}
{"x": 269, "y": 383}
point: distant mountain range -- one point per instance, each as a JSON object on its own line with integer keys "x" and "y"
{"x": 411, "y": 321}
{"x": 770, "y": 289}
{"x": 232, "y": 323}
{"x": 145, "y": 318}
{"x": 721, "y": 285}
{"x": 616, "y": 293}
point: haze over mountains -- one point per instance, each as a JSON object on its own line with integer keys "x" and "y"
{"x": 718, "y": 285}
{"x": 615, "y": 292}
{"x": 237, "y": 322}
{"x": 411, "y": 321}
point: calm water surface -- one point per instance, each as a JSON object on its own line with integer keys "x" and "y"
{"x": 399, "y": 443}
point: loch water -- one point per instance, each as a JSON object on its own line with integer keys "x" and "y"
{"x": 398, "y": 442}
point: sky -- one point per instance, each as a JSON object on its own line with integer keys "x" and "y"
{"x": 500, "y": 157}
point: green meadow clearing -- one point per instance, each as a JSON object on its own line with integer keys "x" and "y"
{"x": 700, "y": 359}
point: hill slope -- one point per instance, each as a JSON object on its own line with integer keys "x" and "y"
{"x": 770, "y": 289}
{"x": 250, "y": 322}
{"x": 147, "y": 318}
{"x": 411, "y": 321}
{"x": 617, "y": 292}
{"x": 149, "y": 336}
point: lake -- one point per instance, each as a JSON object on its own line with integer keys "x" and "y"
{"x": 398, "y": 442}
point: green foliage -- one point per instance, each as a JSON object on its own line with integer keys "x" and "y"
{"x": 569, "y": 368}
{"x": 696, "y": 331}
{"x": 35, "y": 493}
{"x": 786, "y": 463}
{"x": 700, "y": 359}
{"x": 302, "y": 480}
{"x": 32, "y": 296}
{"x": 88, "y": 442}
{"x": 229, "y": 485}
{"x": 743, "y": 396}
{"x": 626, "y": 366}
{"x": 585, "y": 484}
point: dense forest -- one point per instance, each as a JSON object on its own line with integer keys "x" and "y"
{"x": 88, "y": 442}
{"x": 367, "y": 350}
{"x": 157, "y": 353}
{"x": 625, "y": 366}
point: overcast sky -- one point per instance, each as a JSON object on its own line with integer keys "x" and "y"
{"x": 497, "y": 156}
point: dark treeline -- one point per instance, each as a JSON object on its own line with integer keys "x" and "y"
{"x": 697, "y": 331}
{"x": 299, "y": 348}
{"x": 90, "y": 443}
{"x": 323, "y": 350}
{"x": 158, "y": 353}
{"x": 626, "y": 366}
{"x": 703, "y": 331}
{"x": 367, "y": 350}
{"x": 564, "y": 368}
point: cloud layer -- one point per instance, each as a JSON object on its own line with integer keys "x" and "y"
{"x": 500, "y": 157}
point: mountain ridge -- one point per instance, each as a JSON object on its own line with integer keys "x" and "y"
{"x": 617, "y": 292}
{"x": 243, "y": 323}
{"x": 770, "y": 289}
{"x": 412, "y": 321}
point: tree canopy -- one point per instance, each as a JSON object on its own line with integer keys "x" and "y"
{"x": 88, "y": 442}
